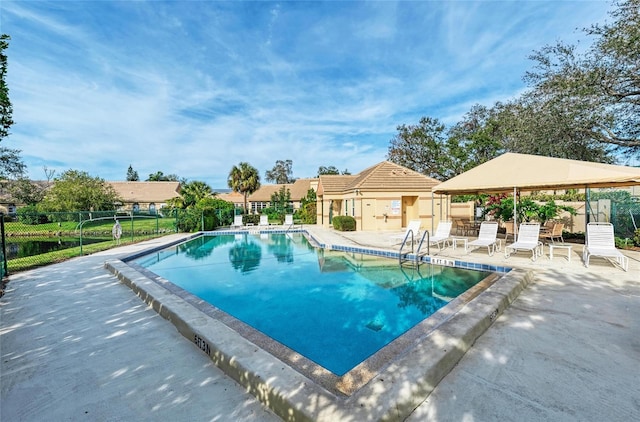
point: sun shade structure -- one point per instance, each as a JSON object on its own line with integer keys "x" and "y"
{"x": 532, "y": 172}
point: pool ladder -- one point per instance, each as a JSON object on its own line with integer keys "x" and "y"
{"x": 403, "y": 258}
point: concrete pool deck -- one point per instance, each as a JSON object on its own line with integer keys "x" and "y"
{"x": 77, "y": 344}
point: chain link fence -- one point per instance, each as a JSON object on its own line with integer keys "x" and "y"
{"x": 30, "y": 240}
{"x": 625, "y": 217}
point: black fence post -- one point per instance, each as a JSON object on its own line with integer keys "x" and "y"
{"x": 4, "y": 247}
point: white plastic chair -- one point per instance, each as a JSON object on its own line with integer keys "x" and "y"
{"x": 237, "y": 222}
{"x": 288, "y": 221}
{"x": 264, "y": 221}
{"x": 600, "y": 241}
{"x": 528, "y": 235}
{"x": 413, "y": 226}
{"x": 487, "y": 237}
{"x": 442, "y": 235}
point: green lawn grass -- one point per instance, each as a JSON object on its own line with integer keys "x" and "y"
{"x": 34, "y": 261}
{"x": 132, "y": 232}
{"x": 139, "y": 224}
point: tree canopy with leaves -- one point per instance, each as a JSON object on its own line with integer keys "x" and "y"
{"x": 330, "y": 170}
{"x": 280, "y": 173}
{"x": 583, "y": 106}
{"x": 11, "y": 165}
{"x": 327, "y": 170}
{"x": 6, "y": 109}
{"x": 24, "y": 191}
{"x": 281, "y": 201}
{"x": 132, "y": 175}
{"x": 194, "y": 191}
{"x": 161, "y": 177}
{"x": 600, "y": 87}
{"x": 76, "y": 190}
{"x": 244, "y": 179}
{"x": 421, "y": 147}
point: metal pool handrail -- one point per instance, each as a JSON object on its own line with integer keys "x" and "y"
{"x": 417, "y": 252}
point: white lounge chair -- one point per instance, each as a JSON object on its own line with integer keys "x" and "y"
{"x": 600, "y": 241}
{"x": 264, "y": 221}
{"x": 488, "y": 236}
{"x": 237, "y": 222}
{"x": 413, "y": 227}
{"x": 442, "y": 235}
{"x": 288, "y": 221}
{"x": 528, "y": 235}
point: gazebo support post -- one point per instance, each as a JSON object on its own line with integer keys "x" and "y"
{"x": 515, "y": 214}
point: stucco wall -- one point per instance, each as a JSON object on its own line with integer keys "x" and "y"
{"x": 376, "y": 211}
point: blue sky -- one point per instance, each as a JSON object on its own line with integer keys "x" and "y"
{"x": 194, "y": 87}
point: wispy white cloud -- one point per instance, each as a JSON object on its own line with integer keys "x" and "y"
{"x": 194, "y": 88}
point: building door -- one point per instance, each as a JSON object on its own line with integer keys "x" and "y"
{"x": 409, "y": 209}
{"x": 368, "y": 214}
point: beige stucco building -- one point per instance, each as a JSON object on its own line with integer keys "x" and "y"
{"x": 236, "y": 198}
{"x": 261, "y": 198}
{"x": 145, "y": 196}
{"x": 383, "y": 197}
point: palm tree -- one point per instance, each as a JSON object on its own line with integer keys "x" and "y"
{"x": 244, "y": 179}
{"x": 194, "y": 191}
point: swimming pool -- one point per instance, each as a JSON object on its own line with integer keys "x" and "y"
{"x": 336, "y": 309}
{"x": 386, "y": 386}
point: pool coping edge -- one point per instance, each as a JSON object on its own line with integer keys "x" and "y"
{"x": 392, "y": 394}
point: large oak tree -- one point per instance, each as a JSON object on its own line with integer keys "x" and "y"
{"x": 601, "y": 85}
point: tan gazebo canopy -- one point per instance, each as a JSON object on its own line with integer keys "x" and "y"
{"x": 523, "y": 172}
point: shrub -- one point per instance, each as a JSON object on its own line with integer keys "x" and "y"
{"x": 189, "y": 220}
{"x": 307, "y": 213}
{"x": 625, "y": 243}
{"x": 251, "y": 219}
{"x": 30, "y": 215}
{"x": 636, "y": 238}
{"x": 216, "y": 212}
{"x": 344, "y": 223}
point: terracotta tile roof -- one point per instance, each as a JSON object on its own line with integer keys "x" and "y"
{"x": 383, "y": 176}
{"x": 387, "y": 175}
{"x": 235, "y": 197}
{"x": 333, "y": 183}
{"x": 146, "y": 191}
{"x": 298, "y": 190}
{"x": 264, "y": 193}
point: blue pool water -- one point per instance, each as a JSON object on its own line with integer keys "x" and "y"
{"x": 334, "y": 308}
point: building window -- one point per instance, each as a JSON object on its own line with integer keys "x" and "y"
{"x": 136, "y": 207}
{"x": 256, "y": 207}
{"x": 152, "y": 208}
{"x": 11, "y": 208}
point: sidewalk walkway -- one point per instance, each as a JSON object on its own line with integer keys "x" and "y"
{"x": 76, "y": 344}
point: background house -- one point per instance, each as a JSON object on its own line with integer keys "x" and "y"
{"x": 236, "y": 198}
{"x": 8, "y": 204}
{"x": 145, "y": 196}
{"x": 382, "y": 197}
{"x": 261, "y": 198}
